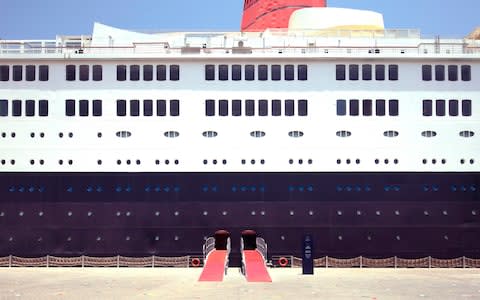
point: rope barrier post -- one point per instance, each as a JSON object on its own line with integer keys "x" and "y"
{"x": 395, "y": 262}
{"x": 10, "y": 261}
{"x": 153, "y": 261}
{"x": 429, "y": 262}
{"x": 464, "y": 262}
{"x": 48, "y": 261}
{"x": 118, "y": 261}
{"x": 361, "y": 262}
{"x": 83, "y": 261}
{"x": 326, "y": 262}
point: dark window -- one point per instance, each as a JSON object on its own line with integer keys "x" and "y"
{"x": 17, "y": 108}
{"x": 276, "y": 72}
{"x": 70, "y": 108}
{"x": 427, "y": 73}
{"x": 427, "y": 108}
{"x": 4, "y": 73}
{"x": 440, "y": 108}
{"x": 236, "y": 108}
{"x": 249, "y": 72}
{"x": 210, "y": 108}
{"x": 223, "y": 72}
{"x": 393, "y": 108}
{"x": 303, "y": 108}
{"x": 263, "y": 72}
{"x": 147, "y": 108}
{"x": 97, "y": 108}
{"x": 97, "y": 73}
{"x": 236, "y": 72}
{"x": 467, "y": 108}
{"x": 70, "y": 73}
{"x": 161, "y": 108}
{"x": 134, "y": 72}
{"x": 341, "y": 107}
{"x": 341, "y": 72}
{"x": 354, "y": 107}
{"x": 84, "y": 73}
{"x": 174, "y": 108}
{"x": 452, "y": 73}
{"x": 147, "y": 72}
{"x": 134, "y": 108}
{"x": 83, "y": 108}
{"x": 393, "y": 72}
{"x": 380, "y": 107}
{"x": 161, "y": 72}
{"x": 289, "y": 72}
{"x": 367, "y": 72}
{"x": 174, "y": 72}
{"x": 466, "y": 73}
{"x": 17, "y": 73}
{"x": 121, "y": 72}
{"x": 30, "y": 73}
{"x": 223, "y": 108}
{"x": 250, "y": 108}
{"x": 209, "y": 72}
{"x": 289, "y": 108}
{"x": 3, "y": 108}
{"x": 353, "y": 72}
{"x": 43, "y": 108}
{"x": 453, "y": 108}
{"x": 380, "y": 72}
{"x": 439, "y": 73}
{"x": 367, "y": 107}
{"x": 263, "y": 108}
{"x": 302, "y": 72}
{"x": 276, "y": 108}
{"x": 121, "y": 108}
{"x": 30, "y": 108}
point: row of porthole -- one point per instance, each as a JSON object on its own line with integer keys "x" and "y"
{"x": 393, "y": 133}
{"x": 397, "y": 213}
{"x": 357, "y": 161}
{"x": 27, "y": 189}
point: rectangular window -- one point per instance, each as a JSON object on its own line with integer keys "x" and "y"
{"x": 289, "y": 108}
{"x": 43, "y": 73}
{"x": 121, "y": 108}
{"x": 43, "y": 108}
{"x": 223, "y": 72}
{"x": 276, "y": 108}
{"x": 289, "y": 72}
{"x": 467, "y": 108}
{"x": 84, "y": 108}
{"x": 466, "y": 73}
{"x": 427, "y": 73}
{"x": 70, "y": 73}
{"x": 147, "y": 72}
{"x": 263, "y": 108}
{"x": 236, "y": 72}
{"x": 147, "y": 108}
{"x": 4, "y": 73}
{"x": 249, "y": 72}
{"x": 353, "y": 72}
{"x": 341, "y": 72}
{"x": 161, "y": 108}
{"x": 380, "y": 72}
{"x": 302, "y": 108}
{"x": 84, "y": 73}
{"x": 134, "y": 73}
{"x": 161, "y": 72}
{"x": 223, "y": 108}
{"x": 393, "y": 72}
{"x": 427, "y": 108}
{"x": 210, "y": 108}
{"x": 250, "y": 108}
{"x": 236, "y": 108}
{"x": 302, "y": 72}
{"x": 354, "y": 107}
{"x": 134, "y": 108}
{"x": 367, "y": 107}
{"x": 121, "y": 72}
{"x": 440, "y": 108}
{"x": 97, "y": 108}
{"x": 17, "y": 73}
{"x": 367, "y": 72}
{"x": 70, "y": 108}
{"x": 276, "y": 72}
{"x": 393, "y": 108}
{"x": 29, "y": 108}
{"x": 3, "y": 108}
{"x": 439, "y": 73}
{"x": 453, "y": 108}
{"x": 30, "y": 73}
{"x": 174, "y": 72}
{"x": 16, "y": 108}
{"x": 174, "y": 108}
{"x": 341, "y": 107}
{"x": 97, "y": 73}
{"x": 380, "y": 107}
{"x": 262, "y": 72}
{"x": 452, "y": 73}
{"x": 209, "y": 72}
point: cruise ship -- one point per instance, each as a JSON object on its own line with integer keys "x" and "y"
{"x": 309, "y": 120}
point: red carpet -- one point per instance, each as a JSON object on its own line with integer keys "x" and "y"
{"x": 214, "y": 266}
{"x": 255, "y": 269}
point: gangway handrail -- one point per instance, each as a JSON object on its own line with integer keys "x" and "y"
{"x": 208, "y": 247}
{"x": 262, "y": 247}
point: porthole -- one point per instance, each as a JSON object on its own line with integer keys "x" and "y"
{"x": 467, "y": 134}
{"x": 172, "y": 134}
{"x": 124, "y": 134}
{"x": 296, "y": 134}
{"x": 257, "y": 134}
{"x": 391, "y": 133}
{"x": 210, "y": 134}
{"x": 429, "y": 134}
{"x": 344, "y": 133}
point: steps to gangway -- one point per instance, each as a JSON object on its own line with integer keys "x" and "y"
{"x": 254, "y": 255}
{"x": 216, "y": 251}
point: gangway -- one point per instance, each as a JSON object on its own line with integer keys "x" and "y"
{"x": 216, "y": 251}
{"x": 254, "y": 257}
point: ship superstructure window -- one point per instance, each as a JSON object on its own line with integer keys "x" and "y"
{"x": 356, "y": 107}
{"x": 17, "y": 73}
{"x": 4, "y": 73}
{"x": 466, "y": 73}
{"x": 70, "y": 72}
{"x": 30, "y": 71}
{"x": 427, "y": 73}
{"x": 341, "y": 72}
{"x": 393, "y": 72}
{"x": 147, "y": 72}
{"x": 236, "y": 72}
{"x": 134, "y": 106}
{"x": 367, "y": 72}
{"x": 256, "y": 107}
{"x": 290, "y": 72}
{"x": 379, "y": 72}
{"x": 147, "y": 108}
{"x": 275, "y": 72}
{"x": 84, "y": 72}
{"x": 30, "y": 108}
{"x": 209, "y": 72}
{"x": 97, "y": 71}
{"x": 161, "y": 72}
{"x": 453, "y": 107}
{"x": 454, "y": 72}
{"x": 223, "y": 72}
{"x": 83, "y": 108}
{"x": 3, "y": 108}
{"x": 249, "y": 72}
{"x": 43, "y": 73}
{"x": 262, "y": 72}
{"x": 121, "y": 72}
{"x": 17, "y": 108}
{"x": 174, "y": 72}
{"x": 439, "y": 73}
{"x": 302, "y": 72}
{"x": 134, "y": 73}
{"x": 353, "y": 72}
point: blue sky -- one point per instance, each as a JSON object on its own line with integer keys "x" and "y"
{"x": 35, "y": 19}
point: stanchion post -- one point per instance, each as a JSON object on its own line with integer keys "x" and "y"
{"x": 10, "y": 261}
{"x": 395, "y": 261}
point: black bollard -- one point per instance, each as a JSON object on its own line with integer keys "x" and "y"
{"x": 307, "y": 259}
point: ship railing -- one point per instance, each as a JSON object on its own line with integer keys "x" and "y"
{"x": 262, "y": 247}
{"x": 208, "y": 247}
